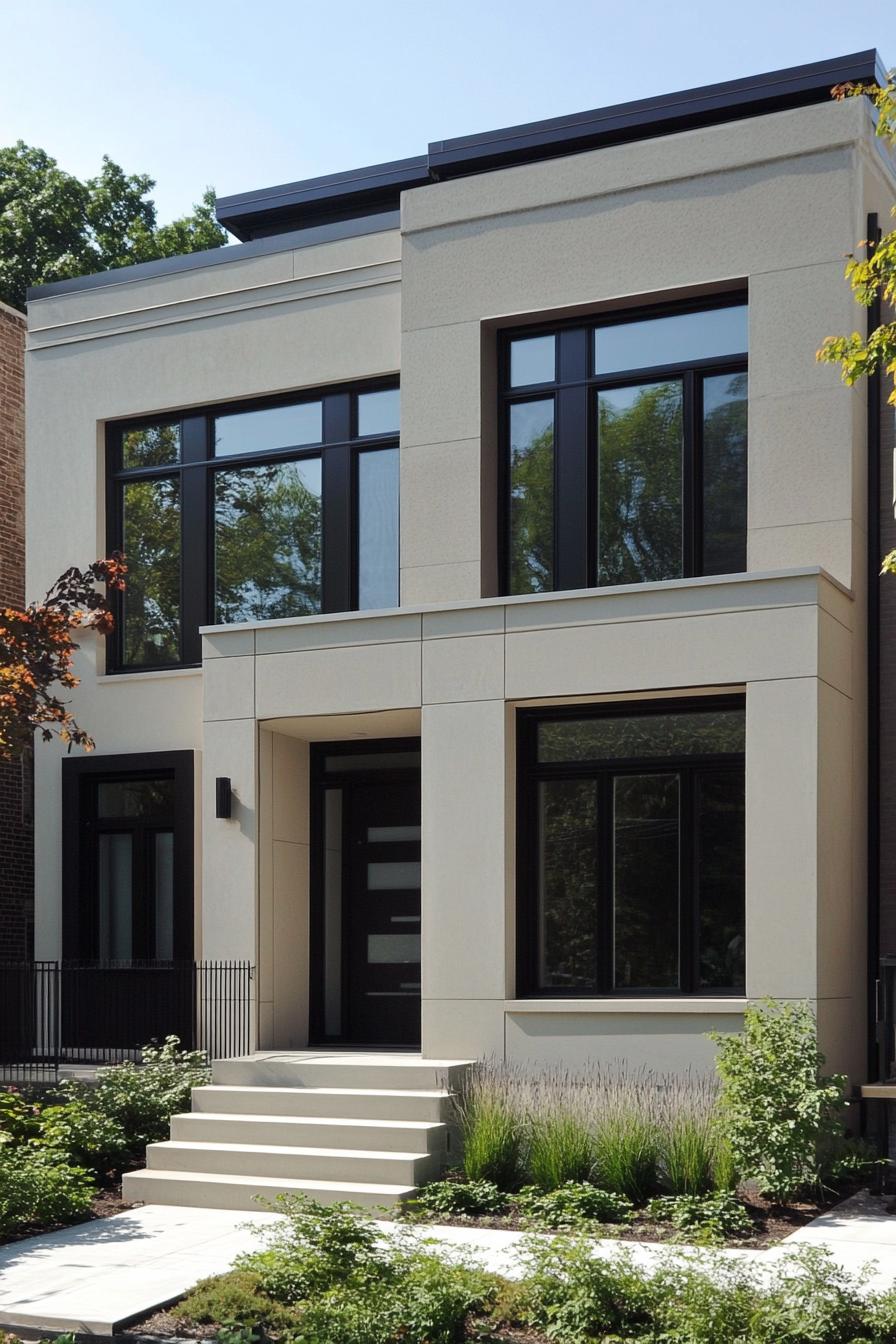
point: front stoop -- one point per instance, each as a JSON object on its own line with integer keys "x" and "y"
{"x": 368, "y": 1128}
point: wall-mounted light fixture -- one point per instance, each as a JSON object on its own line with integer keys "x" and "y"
{"x": 223, "y": 797}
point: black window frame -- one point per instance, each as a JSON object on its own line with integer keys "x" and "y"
{"x": 530, "y": 772}
{"x": 338, "y": 450}
{"x": 573, "y": 391}
{"x": 80, "y": 779}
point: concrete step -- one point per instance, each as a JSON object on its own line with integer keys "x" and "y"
{"x": 348, "y": 1070}
{"x": 302, "y": 1131}
{"x": 343, "y": 1102}
{"x": 350, "y": 1165}
{"x": 213, "y": 1190}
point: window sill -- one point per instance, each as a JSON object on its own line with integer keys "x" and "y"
{"x": 151, "y": 674}
{"x": 621, "y": 1005}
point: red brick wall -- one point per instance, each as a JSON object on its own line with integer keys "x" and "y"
{"x": 16, "y": 844}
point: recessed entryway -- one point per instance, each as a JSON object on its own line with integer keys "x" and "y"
{"x": 365, "y": 893}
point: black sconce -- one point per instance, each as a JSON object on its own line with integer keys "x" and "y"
{"x": 223, "y": 797}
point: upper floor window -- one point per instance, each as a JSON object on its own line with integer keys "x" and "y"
{"x": 252, "y": 512}
{"x": 625, "y": 449}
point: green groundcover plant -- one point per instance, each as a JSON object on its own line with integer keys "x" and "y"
{"x": 38, "y": 1188}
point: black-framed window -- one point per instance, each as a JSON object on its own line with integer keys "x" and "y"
{"x": 128, "y": 839}
{"x": 631, "y": 849}
{"x": 252, "y": 511}
{"x": 624, "y": 448}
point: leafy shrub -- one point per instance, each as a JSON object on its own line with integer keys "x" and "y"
{"x": 712, "y": 1218}
{"x": 460, "y": 1197}
{"x": 19, "y": 1118}
{"x": 85, "y": 1135}
{"x": 38, "y": 1188}
{"x": 235, "y": 1298}
{"x": 561, "y": 1149}
{"x": 814, "y": 1299}
{"x": 780, "y": 1110}
{"x": 576, "y": 1297}
{"x": 141, "y": 1099}
{"x": 572, "y": 1204}
{"x": 316, "y": 1247}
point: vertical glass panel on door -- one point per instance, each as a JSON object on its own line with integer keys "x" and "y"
{"x": 532, "y": 360}
{"x": 153, "y": 446}
{"x": 163, "y": 894}
{"x": 115, "y": 896}
{"x": 645, "y": 881}
{"x": 679, "y": 338}
{"x": 151, "y": 599}
{"x": 722, "y": 867}
{"x": 531, "y": 431}
{"x": 639, "y": 443}
{"x": 725, "y": 474}
{"x": 332, "y": 884}
{"x": 567, "y": 885}
{"x": 379, "y": 412}
{"x": 378, "y": 528}
{"x": 269, "y": 429}
{"x": 268, "y": 541}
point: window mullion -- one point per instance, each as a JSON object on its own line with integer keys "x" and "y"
{"x": 337, "y": 568}
{"x": 571, "y": 454}
{"x": 197, "y": 565}
{"x": 689, "y": 521}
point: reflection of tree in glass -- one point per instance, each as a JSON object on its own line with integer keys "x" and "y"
{"x": 568, "y": 894}
{"x": 268, "y": 541}
{"x": 532, "y": 512}
{"x": 620, "y": 737}
{"x": 639, "y": 441}
{"x": 154, "y": 446}
{"x": 725, "y": 474}
{"x": 646, "y": 828}
{"x": 152, "y": 596}
{"x": 720, "y": 837}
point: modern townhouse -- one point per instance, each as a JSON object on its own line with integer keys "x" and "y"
{"x": 498, "y": 663}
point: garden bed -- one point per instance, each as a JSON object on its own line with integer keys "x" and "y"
{"x": 772, "y": 1222}
{"x": 106, "y": 1202}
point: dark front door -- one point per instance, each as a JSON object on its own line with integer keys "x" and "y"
{"x": 381, "y": 912}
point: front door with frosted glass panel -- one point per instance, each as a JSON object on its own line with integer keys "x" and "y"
{"x": 381, "y": 912}
{"x": 131, "y": 869}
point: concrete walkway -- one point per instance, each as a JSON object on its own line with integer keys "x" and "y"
{"x": 96, "y": 1277}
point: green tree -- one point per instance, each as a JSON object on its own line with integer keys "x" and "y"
{"x": 54, "y": 226}
{"x": 872, "y": 277}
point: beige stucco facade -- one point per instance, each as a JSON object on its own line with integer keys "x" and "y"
{"x": 771, "y": 203}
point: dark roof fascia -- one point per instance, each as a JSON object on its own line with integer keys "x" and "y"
{"x": 217, "y": 256}
{"x": 349, "y": 192}
{"x": 648, "y": 117}
{"x": 344, "y": 195}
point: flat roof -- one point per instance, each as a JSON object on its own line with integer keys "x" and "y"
{"x": 367, "y": 200}
{"x": 343, "y": 195}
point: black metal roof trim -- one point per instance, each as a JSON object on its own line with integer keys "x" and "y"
{"x": 360, "y": 187}
{"x": 340, "y": 196}
{"x": 712, "y": 103}
{"x": 217, "y": 256}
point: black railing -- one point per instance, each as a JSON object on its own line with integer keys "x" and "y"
{"x": 58, "y": 1013}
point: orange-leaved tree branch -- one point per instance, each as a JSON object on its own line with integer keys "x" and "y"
{"x": 872, "y": 277}
{"x": 37, "y": 651}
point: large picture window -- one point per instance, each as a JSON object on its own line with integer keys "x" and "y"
{"x": 631, "y": 849}
{"x": 625, "y": 449}
{"x": 252, "y": 512}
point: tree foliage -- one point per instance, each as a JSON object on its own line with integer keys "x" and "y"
{"x": 53, "y": 226}
{"x": 872, "y": 277}
{"x": 37, "y": 652}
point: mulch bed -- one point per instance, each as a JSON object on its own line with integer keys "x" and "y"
{"x": 771, "y": 1222}
{"x": 104, "y": 1203}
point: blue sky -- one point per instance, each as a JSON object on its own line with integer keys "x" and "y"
{"x": 244, "y": 95}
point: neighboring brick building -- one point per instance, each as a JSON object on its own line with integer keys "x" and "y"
{"x": 16, "y": 842}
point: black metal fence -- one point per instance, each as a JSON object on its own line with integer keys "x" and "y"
{"x": 60, "y": 1013}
